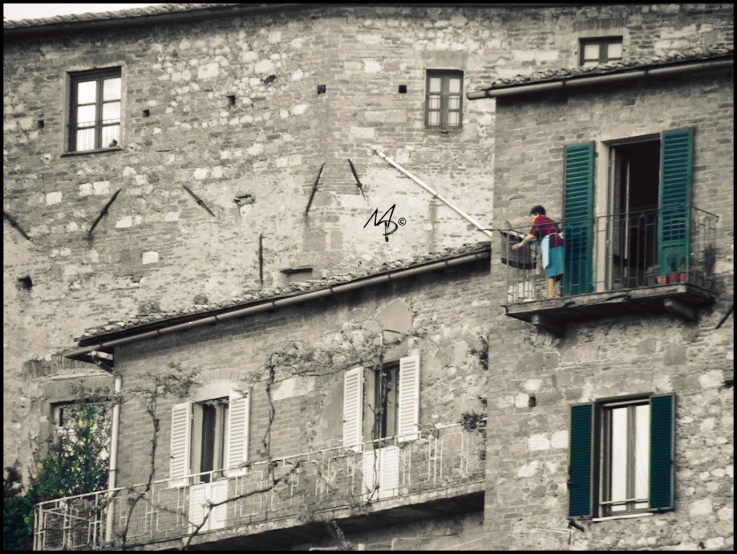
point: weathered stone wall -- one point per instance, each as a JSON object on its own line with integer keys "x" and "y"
{"x": 158, "y": 248}
{"x": 441, "y": 316}
{"x": 527, "y": 497}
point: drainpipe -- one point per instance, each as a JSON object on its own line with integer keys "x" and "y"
{"x": 111, "y": 481}
{"x": 435, "y": 194}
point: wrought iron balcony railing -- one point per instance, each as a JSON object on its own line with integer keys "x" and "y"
{"x": 620, "y": 251}
{"x": 306, "y": 484}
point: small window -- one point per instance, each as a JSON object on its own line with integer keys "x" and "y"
{"x": 621, "y": 456}
{"x": 444, "y": 100}
{"x": 95, "y": 108}
{"x": 209, "y": 437}
{"x": 595, "y": 51}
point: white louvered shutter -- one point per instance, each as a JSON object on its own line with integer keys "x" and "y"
{"x": 409, "y": 398}
{"x": 197, "y": 506}
{"x": 369, "y": 459}
{"x": 218, "y": 514}
{"x": 353, "y": 408}
{"x": 179, "y": 446}
{"x": 237, "y": 448}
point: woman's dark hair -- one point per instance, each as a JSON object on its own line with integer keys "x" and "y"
{"x": 537, "y": 210}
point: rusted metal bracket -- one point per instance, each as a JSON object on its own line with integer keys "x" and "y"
{"x": 314, "y": 188}
{"x": 14, "y": 224}
{"x": 198, "y": 200}
{"x": 355, "y": 176}
{"x": 103, "y": 213}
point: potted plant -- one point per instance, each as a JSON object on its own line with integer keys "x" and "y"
{"x": 672, "y": 264}
{"x": 682, "y": 270}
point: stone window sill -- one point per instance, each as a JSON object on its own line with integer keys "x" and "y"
{"x": 628, "y": 516}
{"x": 85, "y": 152}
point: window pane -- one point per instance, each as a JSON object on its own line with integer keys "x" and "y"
{"x": 85, "y": 139}
{"x": 87, "y": 92}
{"x": 111, "y": 112}
{"x": 433, "y": 118}
{"x": 642, "y": 451}
{"x": 453, "y": 119}
{"x": 454, "y": 103}
{"x": 435, "y": 83}
{"x": 85, "y": 116}
{"x": 591, "y": 52}
{"x": 110, "y": 136}
{"x": 619, "y": 457}
{"x": 454, "y": 85}
{"x": 111, "y": 89}
{"x": 614, "y": 51}
{"x": 434, "y": 103}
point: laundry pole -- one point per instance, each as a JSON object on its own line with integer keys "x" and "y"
{"x": 435, "y": 194}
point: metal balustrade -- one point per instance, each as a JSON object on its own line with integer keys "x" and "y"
{"x": 619, "y": 251}
{"x": 307, "y": 484}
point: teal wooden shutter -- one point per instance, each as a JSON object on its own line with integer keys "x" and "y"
{"x": 580, "y": 461}
{"x": 676, "y": 167}
{"x": 578, "y": 268}
{"x": 662, "y": 452}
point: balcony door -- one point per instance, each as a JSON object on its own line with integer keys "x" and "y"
{"x": 631, "y": 221}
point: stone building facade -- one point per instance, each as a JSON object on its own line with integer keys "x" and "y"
{"x": 245, "y": 133}
{"x": 622, "y": 339}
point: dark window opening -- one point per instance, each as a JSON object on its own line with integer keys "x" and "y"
{"x": 231, "y": 100}
{"x": 595, "y": 51}
{"x": 402, "y": 89}
{"x": 444, "y": 100}
{"x": 321, "y": 89}
{"x": 209, "y": 432}
{"x": 296, "y": 275}
{"x": 634, "y": 200}
{"x": 40, "y": 123}
{"x": 25, "y": 283}
{"x": 146, "y": 113}
{"x": 386, "y": 400}
{"x": 94, "y": 118}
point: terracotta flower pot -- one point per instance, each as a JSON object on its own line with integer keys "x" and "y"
{"x": 682, "y": 276}
{"x": 662, "y": 279}
{"x": 673, "y": 277}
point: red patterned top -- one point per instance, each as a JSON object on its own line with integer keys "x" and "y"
{"x": 543, "y": 226}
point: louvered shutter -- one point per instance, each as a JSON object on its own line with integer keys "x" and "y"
{"x": 578, "y": 268}
{"x": 408, "y": 411}
{"x": 580, "y": 461}
{"x": 662, "y": 452}
{"x": 179, "y": 445}
{"x": 197, "y": 506}
{"x": 676, "y": 166}
{"x": 353, "y": 408}
{"x": 370, "y": 468}
{"x": 218, "y": 493}
{"x": 238, "y": 417}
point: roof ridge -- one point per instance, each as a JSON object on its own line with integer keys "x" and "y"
{"x": 158, "y": 9}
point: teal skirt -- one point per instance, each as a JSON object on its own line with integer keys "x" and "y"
{"x": 555, "y": 262}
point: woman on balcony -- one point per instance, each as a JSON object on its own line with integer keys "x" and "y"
{"x": 547, "y": 233}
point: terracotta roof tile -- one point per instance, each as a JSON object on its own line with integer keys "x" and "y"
{"x": 257, "y": 296}
{"x": 690, "y": 55}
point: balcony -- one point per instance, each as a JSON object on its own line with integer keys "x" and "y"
{"x": 644, "y": 262}
{"x": 390, "y": 477}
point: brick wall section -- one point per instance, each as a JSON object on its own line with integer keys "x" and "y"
{"x": 526, "y": 500}
{"x": 157, "y": 245}
{"x": 309, "y": 410}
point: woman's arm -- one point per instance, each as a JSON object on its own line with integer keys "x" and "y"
{"x": 529, "y": 237}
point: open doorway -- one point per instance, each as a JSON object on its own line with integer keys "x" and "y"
{"x": 633, "y": 214}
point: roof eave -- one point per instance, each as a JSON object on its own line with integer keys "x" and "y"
{"x": 619, "y": 75}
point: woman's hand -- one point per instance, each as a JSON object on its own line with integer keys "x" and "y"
{"x": 517, "y": 246}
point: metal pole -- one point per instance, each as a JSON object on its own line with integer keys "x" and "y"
{"x": 435, "y": 194}
{"x": 111, "y": 481}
